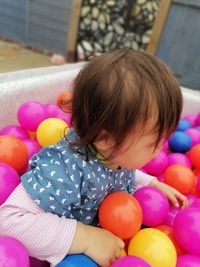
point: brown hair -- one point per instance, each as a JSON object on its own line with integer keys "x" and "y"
{"x": 119, "y": 90}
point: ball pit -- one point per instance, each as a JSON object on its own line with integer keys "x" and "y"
{"x": 180, "y": 142}
{"x": 77, "y": 260}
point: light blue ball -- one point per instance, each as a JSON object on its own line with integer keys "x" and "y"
{"x": 183, "y": 125}
{"x": 180, "y": 142}
{"x": 77, "y": 260}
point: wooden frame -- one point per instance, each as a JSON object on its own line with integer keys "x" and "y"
{"x": 158, "y": 26}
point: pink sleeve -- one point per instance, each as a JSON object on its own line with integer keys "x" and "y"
{"x": 46, "y": 236}
{"x": 142, "y": 179}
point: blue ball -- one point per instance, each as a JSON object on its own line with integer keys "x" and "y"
{"x": 180, "y": 142}
{"x": 77, "y": 260}
{"x": 183, "y": 125}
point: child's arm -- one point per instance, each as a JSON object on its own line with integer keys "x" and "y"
{"x": 142, "y": 179}
{"x": 50, "y": 237}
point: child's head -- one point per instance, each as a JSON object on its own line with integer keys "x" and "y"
{"x": 124, "y": 103}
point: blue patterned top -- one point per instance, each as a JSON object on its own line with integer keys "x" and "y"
{"x": 61, "y": 181}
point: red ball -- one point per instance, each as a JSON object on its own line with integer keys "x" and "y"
{"x": 13, "y": 152}
{"x": 121, "y": 214}
{"x": 194, "y": 156}
{"x": 180, "y": 177}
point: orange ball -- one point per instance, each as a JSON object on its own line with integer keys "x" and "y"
{"x": 168, "y": 230}
{"x": 194, "y": 156}
{"x": 121, "y": 214}
{"x": 180, "y": 177}
{"x": 13, "y": 152}
{"x": 64, "y": 101}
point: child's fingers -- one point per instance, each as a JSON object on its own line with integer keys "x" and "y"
{"x": 173, "y": 200}
{"x": 182, "y": 199}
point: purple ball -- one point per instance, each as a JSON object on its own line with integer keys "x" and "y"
{"x": 9, "y": 180}
{"x": 173, "y": 211}
{"x": 52, "y": 110}
{"x": 32, "y": 147}
{"x": 16, "y": 131}
{"x": 191, "y": 119}
{"x": 178, "y": 158}
{"x": 187, "y": 230}
{"x": 194, "y": 134}
{"x": 130, "y": 261}
{"x": 31, "y": 114}
{"x": 13, "y": 253}
{"x": 188, "y": 260}
{"x": 154, "y": 204}
{"x": 158, "y": 164}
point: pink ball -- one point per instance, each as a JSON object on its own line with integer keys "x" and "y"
{"x": 173, "y": 211}
{"x": 198, "y": 119}
{"x": 158, "y": 164}
{"x": 154, "y": 204}
{"x": 16, "y": 131}
{"x": 196, "y": 204}
{"x": 198, "y": 184}
{"x": 191, "y": 119}
{"x": 194, "y": 134}
{"x": 188, "y": 260}
{"x": 37, "y": 263}
{"x": 9, "y": 179}
{"x": 178, "y": 158}
{"x": 166, "y": 147}
{"x": 130, "y": 261}
{"x": 66, "y": 117}
{"x": 160, "y": 177}
{"x": 31, "y": 114}
{"x": 187, "y": 230}
{"x": 191, "y": 198}
{"x": 13, "y": 253}
{"x": 32, "y": 147}
{"x": 52, "y": 110}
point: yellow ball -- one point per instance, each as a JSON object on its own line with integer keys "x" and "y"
{"x": 50, "y": 131}
{"x": 153, "y": 246}
{"x": 123, "y": 253}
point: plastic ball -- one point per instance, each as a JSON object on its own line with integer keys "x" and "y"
{"x": 187, "y": 230}
{"x": 154, "y": 204}
{"x": 13, "y": 152}
{"x": 16, "y": 131}
{"x": 123, "y": 253}
{"x": 191, "y": 198}
{"x": 195, "y": 204}
{"x": 9, "y": 179}
{"x": 188, "y": 260}
{"x": 191, "y": 119}
{"x": 31, "y": 114}
{"x": 183, "y": 125}
{"x": 178, "y": 158}
{"x": 52, "y": 110}
{"x": 198, "y": 119}
{"x": 37, "y": 263}
{"x": 77, "y": 260}
{"x": 66, "y": 117}
{"x": 158, "y": 164}
{"x": 153, "y": 246}
{"x": 13, "y": 253}
{"x": 180, "y": 142}
{"x": 194, "y": 134}
{"x": 194, "y": 156}
{"x": 51, "y": 131}
{"x": 166, "y": 147}
{"x": 121, "y": 214}
{"x": 168, "y": 230}
{"x": 173, "y": 211}
{"x": 198, "y": 183}
{"x": 130, "y": 261}
{"x": 32, "y": 147}
{"x": 180, "y": 177}
{"x": 64, "y": 101}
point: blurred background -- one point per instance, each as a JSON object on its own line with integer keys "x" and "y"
{"x": 38, "y": 33}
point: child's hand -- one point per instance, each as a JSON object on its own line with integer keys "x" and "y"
{"x": 171, "y": 193}
{"x": 100, "y": 245}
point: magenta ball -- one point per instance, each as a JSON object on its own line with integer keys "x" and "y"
{"x": 166, "y": 147}
{"x": 32, "y": 147}
{"x": 191, "y": 119}
{"x": 195, "y": 204}
{"x": 52, "y": 110}
{"x": 158, "y": 164}
{"x": 198, "y": 184}
{"x": 13, "y": 253}
{"x": 194, "y": 134}
{"x": 16, "y": 131}
{"x": 66, "y": 117}
{"x": 188, "y": 260}
{"x": 171, "y": 215}
{"x": 154, "y": 204}
{"x": 178, "y": 158}
{"x": 130, "y": 261}
{"x": 198, "y": 119}
{"x": 187, "y": 230}
{"x": 191, "y": 198}
{"x": 37, "y": 263}
{"x": 9, "y": 179}
{"x": 31, "y": 114}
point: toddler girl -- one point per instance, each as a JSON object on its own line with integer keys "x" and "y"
{"x": 124, "y": 104}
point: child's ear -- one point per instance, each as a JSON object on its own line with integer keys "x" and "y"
{"x": 104, "y": 141}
